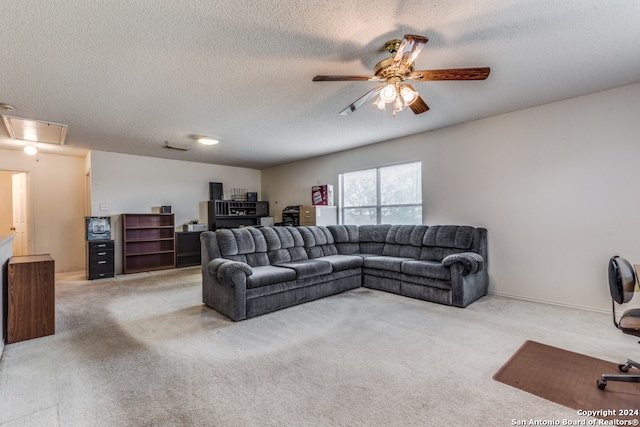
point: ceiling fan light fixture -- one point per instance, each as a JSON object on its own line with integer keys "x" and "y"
{"x": 408, "y": 95}
{"x": 398, "y": 105}
{"x": 389, "y": 93}
{"x": 379, "y": 104}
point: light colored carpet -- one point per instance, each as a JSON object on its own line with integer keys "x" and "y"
{"x": 142, "y": 350}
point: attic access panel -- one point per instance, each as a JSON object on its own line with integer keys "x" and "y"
{"x": 35, "y": 130}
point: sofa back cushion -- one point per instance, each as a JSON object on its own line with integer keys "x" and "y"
{"x": 275, "y": 252}
{"x": 236, "y": 243}
{"x": 346, "y": 238}
{"x": 261, "y": 246}
{"x": 404, "y": 241}
{"x": 274, "y": 245}
{"x": 373, "y": 238}
{"x": 259, "y": 257}
{"x": 284, "y": 244}
{"x": 318, "y": 241}
{"x": 442, "y": 240}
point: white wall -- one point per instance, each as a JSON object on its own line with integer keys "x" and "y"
{"x": 555, "y": 185}
{"x": 137, "y": 184}
{"x": 56, "y": 205}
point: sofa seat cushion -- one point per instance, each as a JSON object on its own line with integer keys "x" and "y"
{"x": 303, "y": 283}
{"x": 387, "y": 274}
{"x": 268, "y": 275}
{"x": 432, "y": 269}
{"x": 390, "y": 263}
{"x": 307, "y": 267}
{"x": 342, "y": 262}
{"x": 425, "y": 281}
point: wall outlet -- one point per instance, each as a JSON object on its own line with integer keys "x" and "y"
{"x": 104, "y": 207}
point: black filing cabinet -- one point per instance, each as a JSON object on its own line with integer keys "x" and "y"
{"x": 100, "y": 260}
{"x": 188, "y": 248}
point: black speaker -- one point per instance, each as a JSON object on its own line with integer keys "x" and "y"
{"x": 262, "y": 208}
{"x": 215, "y": 191}
{"x": 165, "y": 209}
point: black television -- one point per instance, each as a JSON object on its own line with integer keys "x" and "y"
{"x": 98, "y": 227}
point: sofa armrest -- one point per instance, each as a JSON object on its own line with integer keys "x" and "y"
{"x": 224, "y": 287}
{"x": 469, "y": 277}
{"x": 226, "y": 271}
{"x": 471, "y": 261}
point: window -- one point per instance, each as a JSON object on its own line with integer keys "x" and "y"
{"x": 385, "y": 195}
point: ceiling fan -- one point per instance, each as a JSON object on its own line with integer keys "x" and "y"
{"x": 396, "y": 70}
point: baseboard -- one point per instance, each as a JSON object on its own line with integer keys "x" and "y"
{"x": 542, "y": 301}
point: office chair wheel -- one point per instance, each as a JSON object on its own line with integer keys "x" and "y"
{"x": 602, "y": 384}
{"x": 624, "y": 367}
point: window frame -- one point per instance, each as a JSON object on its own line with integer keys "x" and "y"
{"x": 378, "y": 207}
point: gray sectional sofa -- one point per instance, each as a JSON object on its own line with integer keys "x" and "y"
{"x": 251, "y": 271}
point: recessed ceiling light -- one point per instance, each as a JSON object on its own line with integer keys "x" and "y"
{"x": 7, "y": 107}
{"x": 205, "y": 139}
{"x": 208, "y": 141}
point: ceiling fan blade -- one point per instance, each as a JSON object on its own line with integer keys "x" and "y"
{"x": 361, "y": 101}
{"x": 408, "y": 51}
{"x": 480, "y": 73}
{"x": 419, "y": 106}
{"x": 343, "y": 78}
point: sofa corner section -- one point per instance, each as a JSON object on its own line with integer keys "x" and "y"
{"x": 468, "y": 279}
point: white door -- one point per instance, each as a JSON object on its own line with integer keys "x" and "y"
{"x": 20, "y": 214}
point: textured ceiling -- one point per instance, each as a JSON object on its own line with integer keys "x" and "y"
{"x": 128, "y": 76}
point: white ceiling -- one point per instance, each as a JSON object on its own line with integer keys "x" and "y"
{"x": 128, "y": 76}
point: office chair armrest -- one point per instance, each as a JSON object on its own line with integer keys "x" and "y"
{"x": 471, "y": 261}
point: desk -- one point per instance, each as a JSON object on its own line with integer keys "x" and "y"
{"x": 31, "y": 297}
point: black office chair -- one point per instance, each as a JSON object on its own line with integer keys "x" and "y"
{"x": 622, "y": 281}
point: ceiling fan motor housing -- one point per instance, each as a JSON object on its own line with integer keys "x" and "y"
{"x": 392, "y": 45}
{"x": 384, "y": 70}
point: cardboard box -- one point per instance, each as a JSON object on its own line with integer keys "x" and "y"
{"x": 322, "y": 195}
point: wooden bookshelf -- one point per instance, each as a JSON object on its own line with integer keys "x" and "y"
{"x": 148, "y": 242}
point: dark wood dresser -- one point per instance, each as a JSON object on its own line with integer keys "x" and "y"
{"x": 31, "y": 297}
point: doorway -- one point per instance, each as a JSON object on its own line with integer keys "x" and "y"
{"x": 15, "y": 215}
